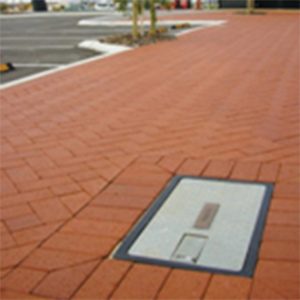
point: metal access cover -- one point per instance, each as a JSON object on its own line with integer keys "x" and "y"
{"x": 202, "y": 223}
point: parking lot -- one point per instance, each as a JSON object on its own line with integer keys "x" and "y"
{"x": 36, "y": 43}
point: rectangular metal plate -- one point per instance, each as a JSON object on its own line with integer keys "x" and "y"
{"x": 207, "y": 215}
{"x": 189, "y": 248}
{"x": 229, "y": 214}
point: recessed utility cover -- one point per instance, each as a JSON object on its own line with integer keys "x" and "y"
{"x": 202, "y": 223}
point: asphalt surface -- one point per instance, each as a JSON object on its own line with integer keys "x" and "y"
{"x": 37, "y": 43}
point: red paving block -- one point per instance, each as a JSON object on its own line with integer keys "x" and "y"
{"x": 15, "y": 211}
{"x": 23, "y": 222}
{"x": 80, "y": 243}
{"x": 103, "y": 213}
{"x": 274, "y": 289}
{"x": 287, "y": 190}
{"x": 83, "y": 175}
{"x": 4, "y": 272}
{"x": 289, "y": 173}
{"x": 7, "y": 241}
{"x": 60, "y": 171}
{"x": 23, "y": 279}
{"x": 3, "y": 227}
{"x": 21, "y": 174}
{"x": 76, "y": 201}
{"x": 278, "y": 270}
{"x": 13, "y": 256}
{"x": 262, "y": 292}
{"x": 40, "y": 163}
{"x": 93, "y": 187}
{"x": 65, "y": 189}
{"x": 141, "y": 282}
{"x": 45, "y": 183}
{"x": 219, "y": 169}
{"x": 280, "y": 250}
{"x": 171, "y": 163}
{"x": 232, "y": 287}
{"x": 108, "y": 172}
{"x": 269, "y": 172}
{"x": 132, "y": 190}
{"x": 281, "y": 233}
{"x": 58, "y": 153}
{"x": 35, "y": 234}
{"x": 183, "y": 284}
{"x": 285, "y": 205}
{"x": 125, "y": 201}
{"x": 192, "y": 167}
{"x": 11, "y": 163}
{"x": 97, "y": 228}
{"x": 142, "y": 179}
{"x": 62, "y": 284}
{"x": 5, "y": 294}
{"x": 7, "y": 187}
{"x": 22, "y": 198}
{"x": 152, "y": 159}
{"x": 50, "y": 210}
{"x": 245, "y": 171}
{"x": 50, "y": 259}
{"x": 104, "y": 280}
{"x": 283, "y": 218}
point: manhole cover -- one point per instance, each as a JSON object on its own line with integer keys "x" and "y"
{"x": 202, "y": 223}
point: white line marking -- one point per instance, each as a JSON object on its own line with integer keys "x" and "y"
{"x": 44, "y": 47}
{"x": 36, "y": 65}
{"x": 62, "y": 14}
{"x": 33, "y": 38}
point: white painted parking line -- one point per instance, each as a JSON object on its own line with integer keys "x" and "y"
{"x": 43, "y": 47}
{"x": 58, "y": 14}
{"x": 39, "y": 38}
{"x": 35, "y": 65}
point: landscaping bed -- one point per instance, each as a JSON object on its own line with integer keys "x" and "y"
{"x": 162, "y": 34}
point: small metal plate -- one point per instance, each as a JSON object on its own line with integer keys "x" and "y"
{"x": 202, "y": 223}
{"x": 207, "y": 215}
{"x": 189, "y": 248}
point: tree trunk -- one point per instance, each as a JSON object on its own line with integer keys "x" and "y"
{"x": 250, "y": 6}
{"x": 142, "y": 17}
{"x": 152, "y": 31}
{"x": 135, "y": 27}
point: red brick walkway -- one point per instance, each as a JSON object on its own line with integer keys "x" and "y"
{"x": 85, "y": 152}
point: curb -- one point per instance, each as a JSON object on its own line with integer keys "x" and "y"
{"x": 97, "y": 22}
{"x": 97, "y": 46}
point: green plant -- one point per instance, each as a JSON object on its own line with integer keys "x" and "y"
{"x": 3, "y": 7}
{"x": 137, "y": 10}
{"x": 121, "y": 4}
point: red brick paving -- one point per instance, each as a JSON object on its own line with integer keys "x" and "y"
{"x": 85, "y": 151}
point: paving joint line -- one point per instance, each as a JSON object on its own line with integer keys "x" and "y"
{"x": 42, "y": 242}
